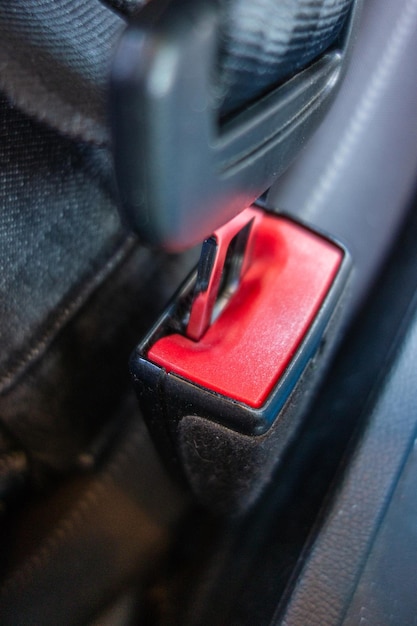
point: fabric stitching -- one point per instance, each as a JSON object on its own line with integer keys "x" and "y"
{"x": 14, "y": 373}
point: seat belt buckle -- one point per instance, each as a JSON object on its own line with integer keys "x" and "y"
{"x": 240, "y": 340}
{"x": 225, "y": 374}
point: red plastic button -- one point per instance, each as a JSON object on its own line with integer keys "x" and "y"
{"x": 247, "y": 349}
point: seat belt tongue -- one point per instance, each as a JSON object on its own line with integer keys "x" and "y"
{"x": 225, "y": 257}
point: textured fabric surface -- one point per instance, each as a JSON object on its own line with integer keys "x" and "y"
{"x": 266, "y": 41}
{"x": 55, "y": 59}
{"x": 60, "y": 239}
{"x": 59, "y": 235}
{"x": 55, "y": 55}
{"x": 70, "y": 396}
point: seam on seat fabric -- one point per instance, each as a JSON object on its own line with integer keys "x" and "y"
{"x": 40, "y": 344}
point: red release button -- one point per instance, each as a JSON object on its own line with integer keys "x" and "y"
{"x": 246, "y": 350}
